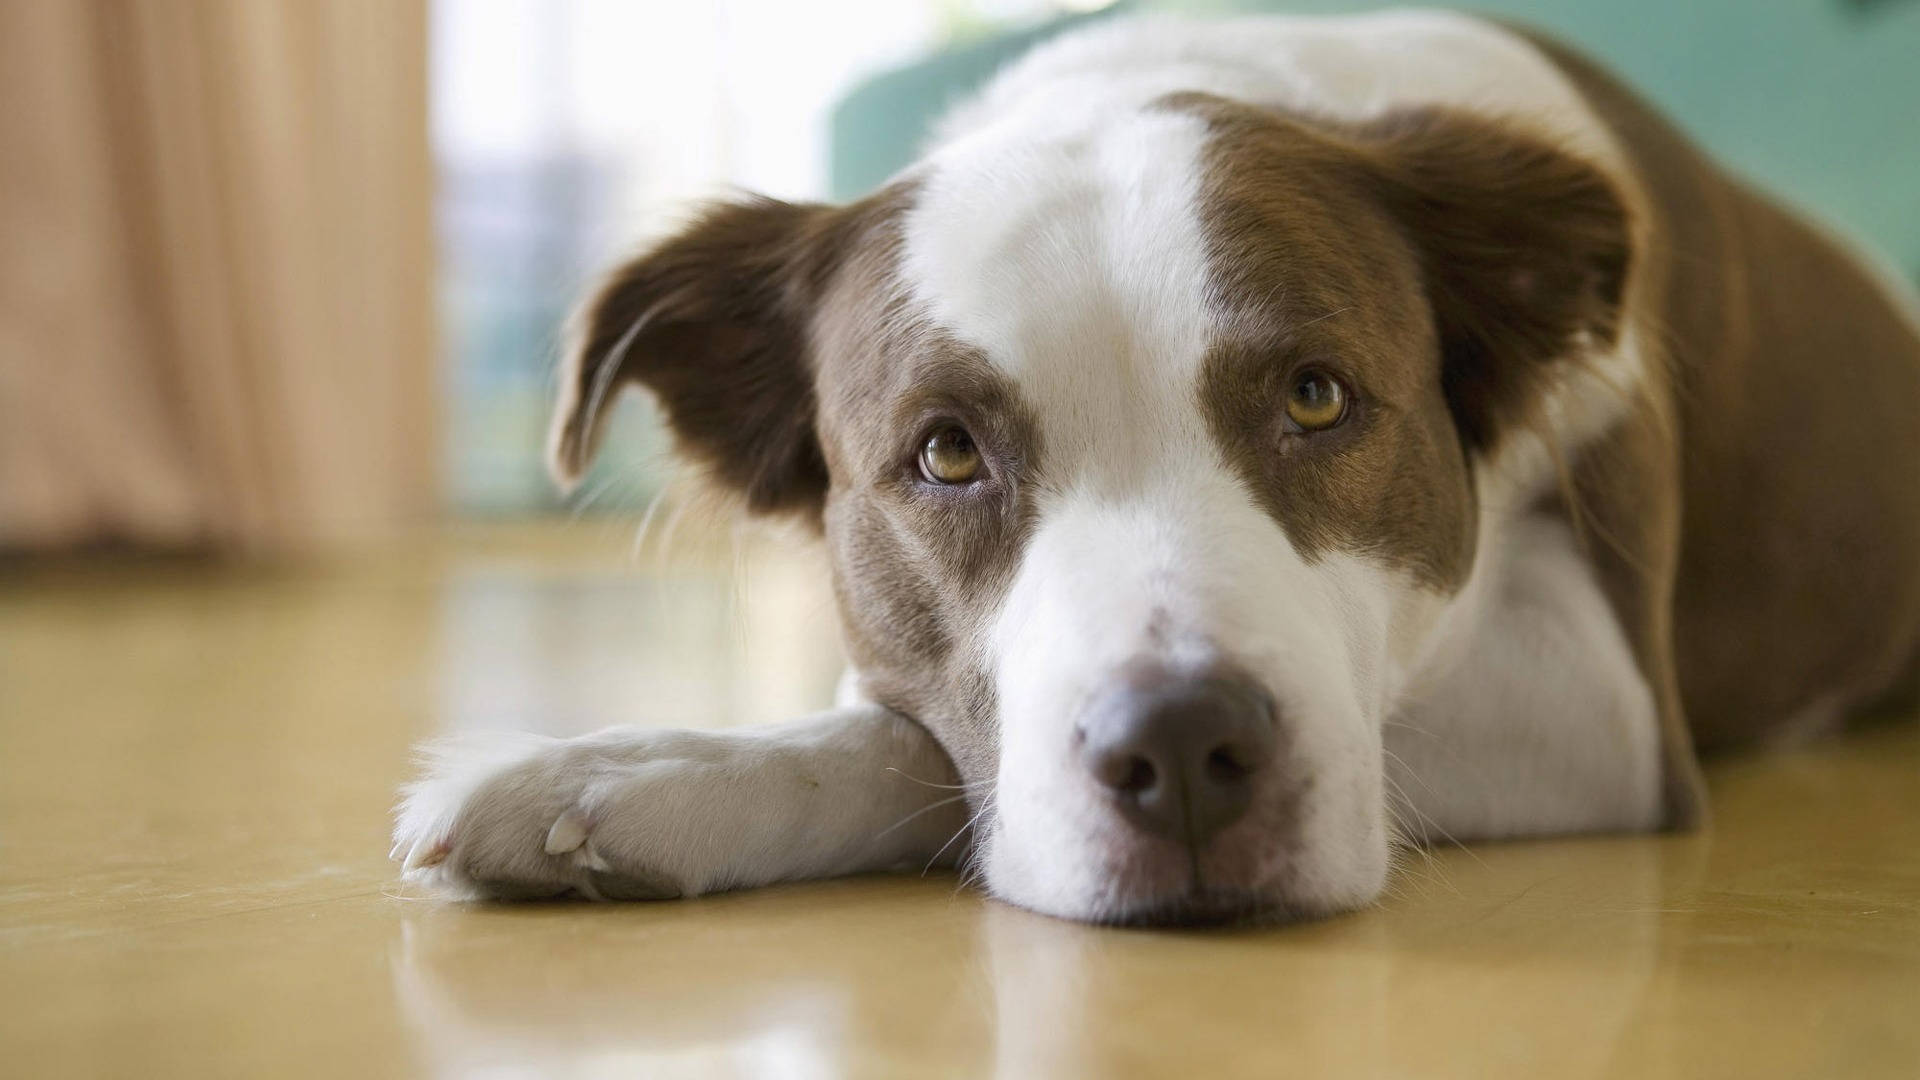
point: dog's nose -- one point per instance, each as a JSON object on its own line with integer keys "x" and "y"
{"x": 1180, "y": 755}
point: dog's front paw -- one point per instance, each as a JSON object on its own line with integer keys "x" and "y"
{"x": 519, "y": 817}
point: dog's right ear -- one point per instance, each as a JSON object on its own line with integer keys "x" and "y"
{"x": 715, "y": 323}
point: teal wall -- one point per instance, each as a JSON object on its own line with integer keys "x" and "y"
{"x": 1818, "y": 100}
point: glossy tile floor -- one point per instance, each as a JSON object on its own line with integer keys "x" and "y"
{"x": 196, "y": 767}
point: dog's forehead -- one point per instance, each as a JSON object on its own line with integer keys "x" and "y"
{"x": 1072, "y": 258}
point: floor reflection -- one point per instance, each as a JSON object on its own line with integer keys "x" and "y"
{"x": 775, "y": 984}
{"x": 868, "y": 978}
{"x": 1364, "y": 995}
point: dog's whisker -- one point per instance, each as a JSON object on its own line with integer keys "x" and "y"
{"x": 1410, "y": 773}
{"x": 973, "y": 873}
{"x": 950, "y": 841}
{"x": 931, "y": 784}
{"x": 1404, "y": 726}
{"x": 1425, "y": 819}
{"x": 1415, "y": 840}
{"x": 927, "y": 809}
{"x": 1404, "y": 834}
{"x": 1429, "y": 870}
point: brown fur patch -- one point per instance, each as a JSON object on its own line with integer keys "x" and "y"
{"x": 919, "y": 569}
{"x": 1792, "y": 467}
{"x": 1440, "y": 266}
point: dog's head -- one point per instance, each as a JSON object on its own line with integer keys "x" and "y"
{"x": 1145, "y": 453}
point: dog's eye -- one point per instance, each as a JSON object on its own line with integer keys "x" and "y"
{"x": 950, "y": 457}
{"x": 1316, "y": 401}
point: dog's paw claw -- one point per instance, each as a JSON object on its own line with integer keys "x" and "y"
{"x": 567, "y": 833}
{"x": 425, "y": 855}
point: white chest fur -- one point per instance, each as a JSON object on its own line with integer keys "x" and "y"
{"x": 1530, "y": 717}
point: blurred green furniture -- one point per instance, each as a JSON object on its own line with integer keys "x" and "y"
{"x": 1818, "y": 100}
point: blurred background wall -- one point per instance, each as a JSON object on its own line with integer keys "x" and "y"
{"x": 216, "y": 286}
{"x": 568, "y": 132}
{"x": 286, "y": 275}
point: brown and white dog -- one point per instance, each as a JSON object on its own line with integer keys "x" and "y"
{"x": 1233, "y": 441}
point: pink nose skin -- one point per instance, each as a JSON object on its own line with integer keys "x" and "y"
{"x": 1180, "y": 755}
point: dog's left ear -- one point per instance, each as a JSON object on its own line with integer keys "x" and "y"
{"x": 715, "y": 322}
{"x": 1524, "y": 249}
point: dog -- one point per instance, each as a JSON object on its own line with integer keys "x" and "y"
{"x": 1243, "y": 449}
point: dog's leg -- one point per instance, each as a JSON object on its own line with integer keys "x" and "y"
{"x": 630, "y": 813}
{"x": 1542, "y": 723}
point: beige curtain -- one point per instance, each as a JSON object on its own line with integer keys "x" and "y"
{"x": 216, "y": 288}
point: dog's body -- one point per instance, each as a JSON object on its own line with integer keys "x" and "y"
{"x": 1231, "y": 439}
